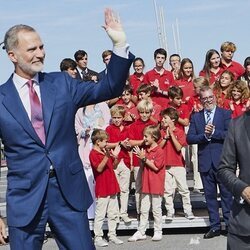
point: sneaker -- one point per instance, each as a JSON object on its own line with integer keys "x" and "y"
{"x": 126, "y": 219}
{"x": 137, "y": 236}
{"x": 169, "y": 217}
{"x": 115, "y": 240}
{"x": 100, "y": 242}
{"x": 157, "y": 236}
{"x": 189, "y": 215}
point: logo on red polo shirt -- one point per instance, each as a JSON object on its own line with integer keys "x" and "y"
{"x": 166, "y": 82}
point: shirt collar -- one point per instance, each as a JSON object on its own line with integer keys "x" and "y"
{"x": 82, "y": 70}
{"x": 20, "y": 81}
{"x": 211, "y": 111}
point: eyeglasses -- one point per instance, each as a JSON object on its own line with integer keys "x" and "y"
{"x": 208, "y": 98}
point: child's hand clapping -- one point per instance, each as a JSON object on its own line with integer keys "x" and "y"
{"x": 115, "y": 152}
{"x": 140, "y": 153}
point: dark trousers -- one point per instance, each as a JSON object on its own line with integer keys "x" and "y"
{"x": 70, "y": 227}
{"x": 210, "y": 182}
{"x": 237, "y": 242}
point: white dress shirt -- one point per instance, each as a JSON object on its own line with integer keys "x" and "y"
{"x": 23, "y": 90}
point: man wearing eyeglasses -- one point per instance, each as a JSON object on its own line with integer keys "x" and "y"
{"x": 208, "y": 129}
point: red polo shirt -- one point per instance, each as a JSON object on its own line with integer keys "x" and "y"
{"x": 153, "y": 182}
{"x": 106, "y": 182}
{"x": 187, "y": 88}
{"x": 173, "y": 157}
{"x": 156, "y": 113}
{"x": 165, "y": 81}
{"x": 129, "y": 110}
{"x": 237, "y": 108}
{"x": 194, "y": 104}
{"x": 135, "y": 82}
{"x": 213, "y": 76}
{"x": 184, "y": 113}
{"x": 220, "y": 98}
{"x": 136, "y": 133}
{"x": 236, "y": 68}
{"x": 117, "y": 135}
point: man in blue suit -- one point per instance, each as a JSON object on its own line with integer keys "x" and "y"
{"x": 208, "y": 129}
{"x": 46, "y": 181}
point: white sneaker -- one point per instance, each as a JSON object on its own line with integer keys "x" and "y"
{"x": 157, "y": 236}
{"x": 169, "y": 217}
{"x": 100, "y": 242}
{"x": 137, "y": 236}
{"x": 126, "y": 219}
{"x": 115, "y": 240}
{"x": 189, "y": 215}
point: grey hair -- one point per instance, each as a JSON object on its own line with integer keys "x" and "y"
{"x": 11, "y": 36}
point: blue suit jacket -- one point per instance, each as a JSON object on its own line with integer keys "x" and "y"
{"x": 29, "y": 160}
{"x": 209, "y": 152}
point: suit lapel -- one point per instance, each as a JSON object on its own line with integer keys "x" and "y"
{"x": 202, "y": 119}
{"x": 14, "y": 105}
{"x": 48, "y": 94}
{"x": 216, "y": 116}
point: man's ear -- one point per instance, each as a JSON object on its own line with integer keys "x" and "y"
{"x": 12, "y": 56}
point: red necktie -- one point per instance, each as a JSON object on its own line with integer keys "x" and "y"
{"x": 36, "y": 112}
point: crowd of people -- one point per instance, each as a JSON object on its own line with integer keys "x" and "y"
{"x": 155, "y": 132}
{"x": 149, "y": 127}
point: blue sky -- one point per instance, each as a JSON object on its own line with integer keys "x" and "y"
{"x": 68, "y": 25}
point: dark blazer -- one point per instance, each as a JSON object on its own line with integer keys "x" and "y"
{"x": 29, "y": 160}
{"x": 208, "y": 151}
{"x": 88, "y": 76}
{"x": 236, "y": 153}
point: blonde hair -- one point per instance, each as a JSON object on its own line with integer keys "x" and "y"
{"x": 117, "y": 109}
{"x": 154, "y": 131}
{"x": 202, "y": 81}
{"x": 145, "y": 105}
{"x": 228, "y": 46}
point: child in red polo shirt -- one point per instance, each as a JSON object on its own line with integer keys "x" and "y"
{"x": 127, "y": 102}
{"x": 137, "y": 78}
{"x": 221, "y": 87}
{"x": 103, "y": 163}
{"x": 173, "y": 141}
{"x": 153, "y": 175}
{"x": 194, "y": 103}
{"x": 237, "y": 98}
{"x": 118, "y": 135}
{"x": 144, "y": 93}
{"x": 185, "y": 79}
{"x": 160, "y": 78}
{"x": 145, "y": 109}
{"x": 175, "y": 94}
{"x": 212, "y": 69}
{"x": 227, "y": 52}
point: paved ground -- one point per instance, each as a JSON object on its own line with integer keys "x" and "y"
{"x": 188, "y": 239}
